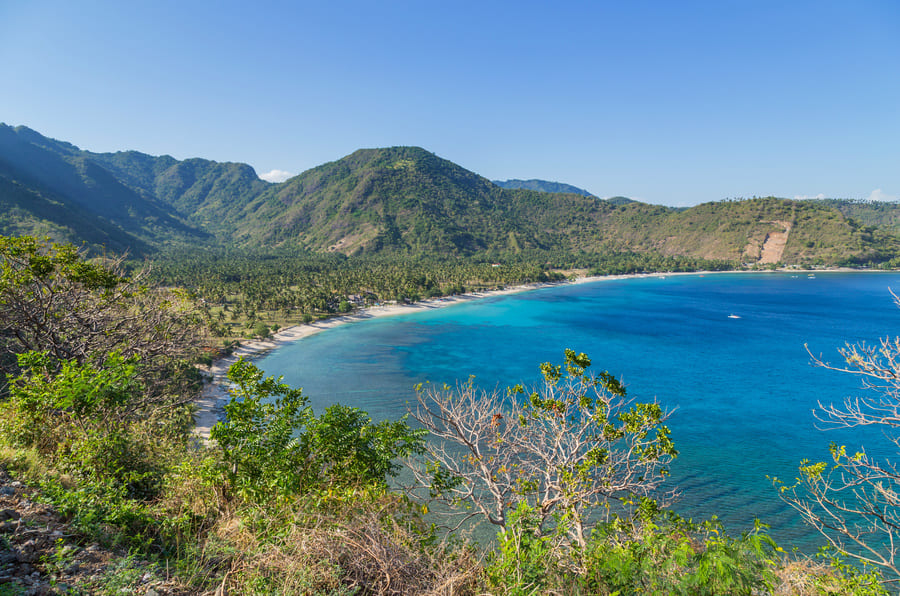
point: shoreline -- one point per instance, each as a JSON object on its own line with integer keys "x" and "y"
{"x": 215, "y": 393}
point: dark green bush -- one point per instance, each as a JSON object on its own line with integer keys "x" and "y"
{"x": 273, "y": 445}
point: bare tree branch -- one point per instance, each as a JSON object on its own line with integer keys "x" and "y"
{"x": 853, "y": 500}
{"x": 567, "y": 448}
{"x": 53, "y": 300}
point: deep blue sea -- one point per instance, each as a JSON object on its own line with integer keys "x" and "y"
{"x": 742, "y": 390}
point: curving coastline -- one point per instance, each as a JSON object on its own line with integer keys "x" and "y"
{"x": 215, "y": 393}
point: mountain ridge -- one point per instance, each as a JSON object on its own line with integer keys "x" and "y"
{"x": 543, "y": 186}
{"x": 396, "y": 199}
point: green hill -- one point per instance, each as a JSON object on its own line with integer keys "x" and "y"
{"x": 398, "y": 200}
{"x": 408, "y": 199}
{"x": 26, "y": 211}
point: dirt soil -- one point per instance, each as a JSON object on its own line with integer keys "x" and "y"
{"x": 773, "y": 246}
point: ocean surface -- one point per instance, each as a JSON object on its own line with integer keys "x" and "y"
{"x": 741, "y": 390}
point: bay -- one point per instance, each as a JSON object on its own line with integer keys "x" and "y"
{"x": 741, "y": 390}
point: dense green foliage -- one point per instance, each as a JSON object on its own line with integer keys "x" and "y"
{"x": 274, "y": 446}
{"x": 89, "y": 421}
{"x": 651, "y": 551}
{"x": 237, "y": 288}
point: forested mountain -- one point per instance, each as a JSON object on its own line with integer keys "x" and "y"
{"x": 55, "y": 187}
{"x": 29, "y": 211}
{"x": 407, "y": 199}
{"x": 543, "y": 186}
{"x": 208, "y": 193}
{"x": 402, "y": 200}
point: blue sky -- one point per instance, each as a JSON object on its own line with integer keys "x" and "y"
{"x": 674, "y": 103}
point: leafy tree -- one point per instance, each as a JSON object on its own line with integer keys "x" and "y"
{"x": 565, "y": 449}
{"x": 257, "y": 436}
{"x": 275, "y": 447}
{"x": 261, "y": 330}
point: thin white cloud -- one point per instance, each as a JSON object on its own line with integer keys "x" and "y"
{"x": 880, "y": 195}
{"x": 807, "y": 197}
{"x": 276, "y": 176}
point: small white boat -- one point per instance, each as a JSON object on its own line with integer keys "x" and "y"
{"x": 733, "y": 316}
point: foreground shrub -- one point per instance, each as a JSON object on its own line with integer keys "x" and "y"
{"x": 87, "y": 420}
{"x": 830, "y": 574}
{"x": 651, "y": 552}
{"x": 54, "y": 301}
{"x": 102, "y": 511}
{"x": 657, "y": 552}
{"x": 525, "y": 561}
{"x": 273, "y": 446}
{"x": 373, "y": 543}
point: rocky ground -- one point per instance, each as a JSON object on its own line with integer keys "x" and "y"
{"x": 39, "y": 554}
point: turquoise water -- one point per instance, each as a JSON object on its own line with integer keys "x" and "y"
{"x": 741, "y": 389}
